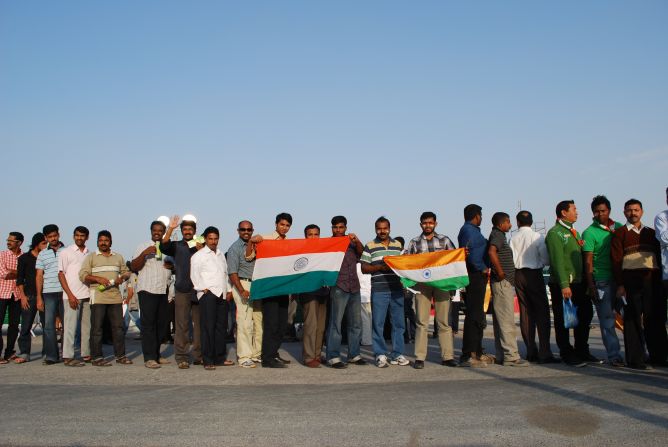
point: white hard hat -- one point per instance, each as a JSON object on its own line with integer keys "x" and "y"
{"x": 164, "y": 220}
{"x": 189, "y": 218}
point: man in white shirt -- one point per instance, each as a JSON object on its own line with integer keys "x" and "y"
{"x": 76, "y": 298}
{"x": 530, "y": 256}
{"x": 661, "y": 231}
{"x": 151, "y": 287}
{"x": 208, "y": 273}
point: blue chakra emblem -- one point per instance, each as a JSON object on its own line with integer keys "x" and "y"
{"x": 426, "y": 274}
{"x": 300, "y": 264}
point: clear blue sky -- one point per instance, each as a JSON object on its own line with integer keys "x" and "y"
{"x": 112, "y": 113}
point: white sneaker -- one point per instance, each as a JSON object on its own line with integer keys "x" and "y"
{"x": 381, "y": 361}
{"x": 247, "y": 364}
{"x": 400, "y": 360}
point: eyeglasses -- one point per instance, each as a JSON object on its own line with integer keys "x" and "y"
{"x": 245, "y": 229}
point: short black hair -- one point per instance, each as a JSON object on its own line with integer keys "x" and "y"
{"x": 599, "y": 200}
{"x": 427, "y": 215}
{"x": 633, "y": 202}
{"x": 82, "y": 230}
{"x": 188, "y": 223}
{"x": 37, "y": 239}
{"x": 157, "y": 222}
{"x": 104, "y": 233}
{"x": 339, "y": 219}
{"x": 50, "y": 228}
{"x": 17, "y": 235}
{"x": 311, "y": 227}
{"x": 471, "y": 211}
{"x": 382, "y": 219}
{"x": 242, "y": 221}
{"x": 284, "y": 216}
{"x": 564, "y": 205}
{"x": 401, "y": 240}
{"x": 499, "y": 217}
{"x": 209, "y": 230}
{"x": 524, "y": 219}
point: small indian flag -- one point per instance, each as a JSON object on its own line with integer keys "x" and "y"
{"x": 445, "y": 270}
{"x": 296, "y": 265}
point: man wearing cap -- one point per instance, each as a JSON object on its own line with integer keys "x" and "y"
{"x": 152, "y": 277}
{"x": 186, "y": 307}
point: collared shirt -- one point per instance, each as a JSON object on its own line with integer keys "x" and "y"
{"x": 471, "y": 237}
{"x": 153, "y": 277}
{"x": 26, "y": 273}
{"x": 497, "y": 238}
{"x": 597, "y": 240}
{"x": 8, "y": 261}
{"x": 421, "y": 244}
{"x": 109, "y": 267}
{"x": 181, "y": 254}
{"x": 374, "y": 252}
{"x": 347, "y": 280}
{"x": 236, "y": 260}
{"x": 529, "y": 249}
{"x": 47, "y": 260}
{"x": 631, "y": 227}
{"x": 208, "y": 270}
{"x": 661, "y": 229}
{"x": 69, "y": 262}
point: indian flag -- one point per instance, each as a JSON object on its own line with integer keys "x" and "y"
{"x": 296, "y": 265}
{"x": 445, "y": 270}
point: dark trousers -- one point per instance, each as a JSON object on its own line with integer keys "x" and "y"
{"x": 581, "y": 332}
{"x": 12, "y": 307}
{"x": 534, "y": 312}
{"x": 27, "y": 320}
{"x": 213, "y": 328}
{"x": 153, "y": 309}
{"x": 274, "y": 320}
{"x": 474, "y": 319}
{"x": 641, "y": 319}
{"x": 114, "y": 312}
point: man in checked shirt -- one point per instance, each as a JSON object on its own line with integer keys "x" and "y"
{"x": 430, "y": 241}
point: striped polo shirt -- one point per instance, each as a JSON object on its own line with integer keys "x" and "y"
{"x": 373, "y": 254}
{"x": 47, "y": 260}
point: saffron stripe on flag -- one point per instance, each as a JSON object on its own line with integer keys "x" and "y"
{"x": 289, "y": 247}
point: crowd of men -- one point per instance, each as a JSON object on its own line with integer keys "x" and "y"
{"x": 621, "y": 270}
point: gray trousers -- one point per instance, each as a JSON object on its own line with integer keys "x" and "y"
{"x": 71, "y": 320}
{"x": 505, "y": 339}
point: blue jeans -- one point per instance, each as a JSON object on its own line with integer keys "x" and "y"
{"x": 606, "y": 293}
{"x": 341, "y": 302}
{"x": 53, "y": 305}
{"x": 380, "y": 302}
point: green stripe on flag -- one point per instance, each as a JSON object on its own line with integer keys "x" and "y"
{"x": 457, "y": 282}
{"x": 290, "y": 284}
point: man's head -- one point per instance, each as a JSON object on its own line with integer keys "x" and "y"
{"x": 80, "y": 236}
{"x": 312, "y": 231}
{"x": 382, "y": 226}
{"x": 158, "y": 229}
{"x": 524, "y": 219}
{"x": 104, "y": 241}
{"x": 38, "y": 242}
{"x": 428, "y": 222}
{"x": 339, "y": 226}
{"x": 633, "y": 211}
{"x": 473, "y": 214}
{"x": 188, "y": 229}
{"x": 245, "y": 230}
{"x": 52, "y": 235}
{"x": 566, "y": 210}
{"x": 14, "y": 241}
{"x": 600, "y": 208}
{"x": 283, "y": 223}
{"x": 401, "y": 240}
{"x": 211, "y": 236}
{"x": 501, "y": 221}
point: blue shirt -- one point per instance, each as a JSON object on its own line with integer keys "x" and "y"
{"x": 470, "y": 237}
{"x": 47, "y": 260}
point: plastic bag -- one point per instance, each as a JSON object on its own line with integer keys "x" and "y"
{"x": 570, "y": 314}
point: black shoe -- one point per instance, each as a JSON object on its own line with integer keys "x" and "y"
{"x": 574, "y": 361}
{"x": 547, "y": 360}
{"x": 532, "y": 359}
{"x": 590, "y": 359}
{"x": 273, "y": 363}
{"x": 418, "y": 364}
{"x": 358, "y": 362}
{"x": 452, "y": 363}
{"x": 640, "y": 367}
{"x": 337, "y": 365}
{"x": 48, "y": 362}
{"x": 282, "y": 360}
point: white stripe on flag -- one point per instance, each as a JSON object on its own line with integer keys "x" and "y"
{"x": 295, "y": 264}
{"x": 452, "y": 270}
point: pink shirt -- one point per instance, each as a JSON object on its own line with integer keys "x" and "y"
{"x": 69, "y": 262}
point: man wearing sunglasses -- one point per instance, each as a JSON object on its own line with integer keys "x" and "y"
{"x": 249, "y": 313}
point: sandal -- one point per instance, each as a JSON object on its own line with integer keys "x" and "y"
{"x": 88, "y": 359}
{"x": 101, "y": 362}
{"x": 163, "y": 361}
{"x": 73, "y": 362}
{"x": 183, "y": 365}
{"x": 124, "y": 361}
{"x": 228, "y": 363}
{"x": 3, "y": 361}
{"x": 210, "y": 367}
{"x": 152, "y": 364}
{"x": 19, "y": 360}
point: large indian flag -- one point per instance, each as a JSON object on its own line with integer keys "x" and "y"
{"x": 296, "y": 265}
{"x": 445, "y": 270}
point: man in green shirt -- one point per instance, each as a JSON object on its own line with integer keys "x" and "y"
{"x": 564, "y": 246}
{"x": 598, "y": 274}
